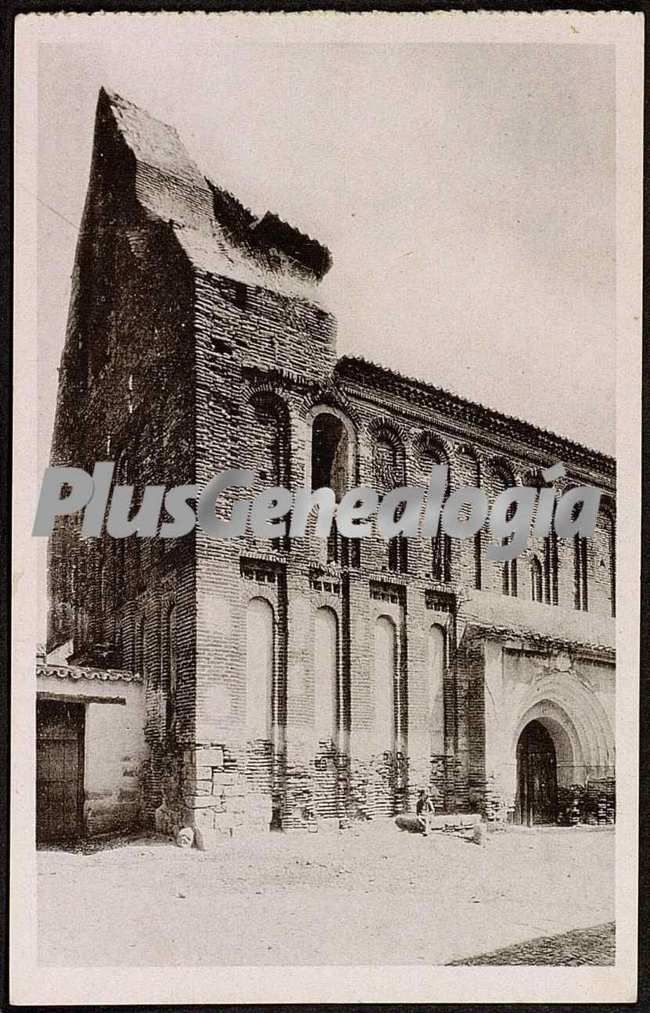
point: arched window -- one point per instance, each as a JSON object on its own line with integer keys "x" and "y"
{"x": 139, "y": 646}
{"x": 332, "y": 465}
{"x": 330, "y": 454}
{"x": 611, "y": 532}
{"x": 398, "y": 554}
{"x": 550, "y": 566}
{"x": 437, "y": 649}
{"x": 605, "y": 539}
{"x": 388, "y": 461}
{"x": 385, "y": 683}
{"x": 101, "y": 583}
{"x": 326, "y": 674}
{"x": 118, "y": 640}
{"x": 509, "y": 577}
{"x": 580, "y": 574}
{"x": 469, "y": 465}
{"x": 271, "y": 450}
{"x": 551, "y": 569}
{"x": 536, "y": 580}
{"x": 260, "y": 668}
{"x": 122, "y": 475}
{"x": 502, "y": 479}
{"x": 433, "y": 454}
{"x": 389, "y": 468}
{"x": 170, "y": 669}
{"x": 441, "y": 556}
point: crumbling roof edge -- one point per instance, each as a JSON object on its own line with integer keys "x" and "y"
{"x": 489, "y": 631}
{"x": 158, "y": 146}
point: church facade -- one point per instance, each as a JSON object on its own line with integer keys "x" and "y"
{"x": 297, "y": 681}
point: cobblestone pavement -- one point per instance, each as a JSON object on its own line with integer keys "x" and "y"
{"x": 369, "y": 895}
{"x": 582, "y": 946}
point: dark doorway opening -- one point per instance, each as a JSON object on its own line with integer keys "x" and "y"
{"x": 59, "y": 771}
{"x": 536, "y": 776}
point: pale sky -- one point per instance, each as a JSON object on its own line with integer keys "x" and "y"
{"x": 466, "y": 192}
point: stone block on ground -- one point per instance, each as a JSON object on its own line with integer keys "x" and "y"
{"x": 206, "y": 839}
{"x": 203, "y": 819}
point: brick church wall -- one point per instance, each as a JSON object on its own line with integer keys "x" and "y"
{"x": 197, "y": 343}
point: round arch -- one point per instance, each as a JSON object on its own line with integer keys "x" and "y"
{"x": 388, "y": 454}
{"x": 429, "y": 445}
{"x": 326, "y": 651}
{"x": 501, "y": 470}
{"x": 260, "y": 667}
{"x": 342, "y": 437}
{"x": 437, "y": 648}
{"x": 385, "y": 677}
{"x": 564, "y": 734}
{"x": 573, "y": 715}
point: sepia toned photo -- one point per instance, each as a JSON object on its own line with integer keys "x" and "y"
{"x": 287, "y": 285}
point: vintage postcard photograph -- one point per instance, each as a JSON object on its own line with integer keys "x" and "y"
{"x": 326, "y": 509}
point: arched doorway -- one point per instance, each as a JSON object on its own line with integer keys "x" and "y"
{"x": 536, "y": 776}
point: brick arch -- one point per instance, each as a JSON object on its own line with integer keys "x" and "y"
{"x": 388, "y": 475}
{"x": 532, "y": 477}
{"x": 468, "y": 450}
{"x": 565, "y": 736}
{"x": 428, "y": 444}
{"x": 273, "y": 412}
{"x": 384, "y": 426}
{"x": 501, "y": 469}
{"x": 463, "y": 452}
{"x": 328, "y": 396}
{"x": 329, "y": 407}
{"x": 250, "y": 591}
{"x": 562, "y": 697}
{"x": 270, "y": 398}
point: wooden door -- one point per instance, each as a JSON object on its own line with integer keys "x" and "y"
{"x": 536, "y": 776}
{"x": 59, "y": 770}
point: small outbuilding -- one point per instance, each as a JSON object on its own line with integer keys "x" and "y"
{"x": 90, "y": 752}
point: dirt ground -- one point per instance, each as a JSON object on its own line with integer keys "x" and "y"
{"x": 370, "y": 895}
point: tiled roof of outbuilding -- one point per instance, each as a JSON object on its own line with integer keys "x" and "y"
{"x": 74, "y": 672}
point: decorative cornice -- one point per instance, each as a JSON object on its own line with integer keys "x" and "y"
{"x": 373, "y": 380}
